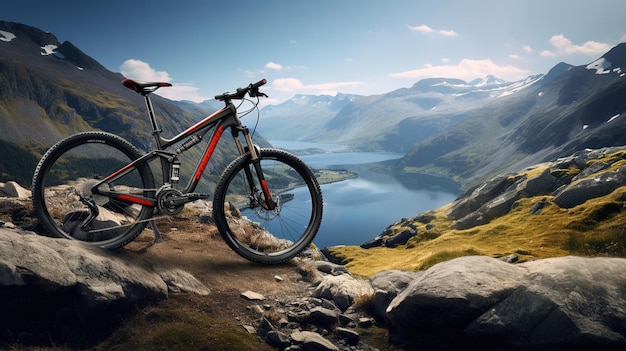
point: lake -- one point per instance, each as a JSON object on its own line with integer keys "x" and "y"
{"x": 356, "y": 210}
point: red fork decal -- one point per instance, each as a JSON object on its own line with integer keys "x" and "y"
{"x": 266, "y": 190}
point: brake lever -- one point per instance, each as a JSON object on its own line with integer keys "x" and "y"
{"x": 257, "y": 93}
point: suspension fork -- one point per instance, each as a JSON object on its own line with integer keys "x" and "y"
{"x": 255, "y": 157}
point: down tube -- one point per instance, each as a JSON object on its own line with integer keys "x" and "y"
{"x": 215, "y": 138}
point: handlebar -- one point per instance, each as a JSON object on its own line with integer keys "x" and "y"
{"x": 252, "y": 90}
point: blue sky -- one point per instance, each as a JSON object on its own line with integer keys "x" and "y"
{"x": 326, "y": 46}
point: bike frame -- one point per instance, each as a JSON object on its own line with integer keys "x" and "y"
{"x": 222, "y": 119}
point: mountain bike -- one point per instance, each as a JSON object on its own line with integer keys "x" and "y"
{"x": 98, "y": 188}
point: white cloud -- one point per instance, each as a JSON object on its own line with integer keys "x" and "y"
{"x": 294, "y": 85}
{"x": 286, "y": 84}
{"x": 274, "y": 66}
{"x": 448, "y": 33}
{"x": 515, "y": 56}
{"x": 527, "y": 48}
{"x": 564, "y": 46}
{"x": 426, "y": 29}
{"x": 139, "y": 70}
{"x": 182, "y": 92}
{"x": 466, "y": 69}
{"x": 422, "y": 28}
{"x": 547, "y": 53}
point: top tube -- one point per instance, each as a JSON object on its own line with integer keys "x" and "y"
{"x": 206, "y": 123}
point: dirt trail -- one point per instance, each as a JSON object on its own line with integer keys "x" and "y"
{"x": 198, "y": 249}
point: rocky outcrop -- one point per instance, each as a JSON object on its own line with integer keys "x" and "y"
{"x": 325, "y": 319}
{"x": 571, "y": 181}
{"x": 472, "y": 302}
{"x": 73, "y": 293}
{"x": 559, "y": 303}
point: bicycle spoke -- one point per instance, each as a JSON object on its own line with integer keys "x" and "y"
{"x": 272, "y": 235}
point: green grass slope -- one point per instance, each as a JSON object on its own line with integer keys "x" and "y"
{"x": 594, "y": 228}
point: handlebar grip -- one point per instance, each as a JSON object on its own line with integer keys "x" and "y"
{"x": 258, "y": 84}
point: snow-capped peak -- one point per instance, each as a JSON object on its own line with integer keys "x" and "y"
{"x": 488, "y": 80}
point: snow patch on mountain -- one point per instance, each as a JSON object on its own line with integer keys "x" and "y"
{"x": 48, "y": 50}
{"x": 6, "y": 36}
{"x": 520, "y": 85}
{"x": 612, "y": 118}
{"x": 601, "y": 66}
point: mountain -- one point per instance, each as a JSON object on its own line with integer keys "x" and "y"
{"x": 391, "y": 122}
{"x": 199, "y": 110}
{"x": 49, "y": 90}
{"x": 464, "y": 130}
{"x": 569, "y": 109}
{"x": 297, "y": 117}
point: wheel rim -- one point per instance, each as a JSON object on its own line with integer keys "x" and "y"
{"x": 71, "y": 208}
{"x": 285, "y": 230}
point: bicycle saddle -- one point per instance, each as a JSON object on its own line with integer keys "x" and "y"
{"x": 144, "y": 88}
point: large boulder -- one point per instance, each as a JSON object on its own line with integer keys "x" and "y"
{"x": 559, "y": 303}
{"x": 52, "y": 289}
{"x": 12, "y": 189}
{"x": 571, "y": 302}
{"x": 448, "y": 297}
{"x": 343, "y": 289}
{"x": 387, "y": 285}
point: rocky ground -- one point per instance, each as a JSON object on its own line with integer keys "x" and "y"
{"x": 285, "y": 300}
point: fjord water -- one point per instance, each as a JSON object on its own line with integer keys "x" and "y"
{"x": 358, "y": 209}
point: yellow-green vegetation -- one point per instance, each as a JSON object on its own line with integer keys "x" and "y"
{"x": 99, "y": 97}
{"x": 325, "y": 176}
{"x": 594, "y": 228}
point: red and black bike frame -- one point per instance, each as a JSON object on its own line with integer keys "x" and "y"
{"x": 219, "y": 121}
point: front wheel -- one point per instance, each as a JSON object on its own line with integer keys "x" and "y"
{"x": 263, "y": 235}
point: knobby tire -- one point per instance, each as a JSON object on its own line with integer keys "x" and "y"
{"x": 268, "y": 236}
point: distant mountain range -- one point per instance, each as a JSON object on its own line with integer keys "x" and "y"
{"x": 469, "y": 131}
{"x": 571, "y": 108}
{"x": 463, "y": 130}
{"x": 391, "y": 122}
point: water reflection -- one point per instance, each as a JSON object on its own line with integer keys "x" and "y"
{"x": 358, "y": 209}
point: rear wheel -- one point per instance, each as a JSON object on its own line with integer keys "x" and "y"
{"x": 63, "y": 186}
{"x": 262, "y": 235}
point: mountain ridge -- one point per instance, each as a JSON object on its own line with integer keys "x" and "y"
{"x": 470, "y": 131}
{"x": 445, "y": 126}
{"x": 412, "y": 114}
{"x": 49, "y": 90}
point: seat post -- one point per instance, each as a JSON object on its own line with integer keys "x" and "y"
{"x": 156, "y": 131}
